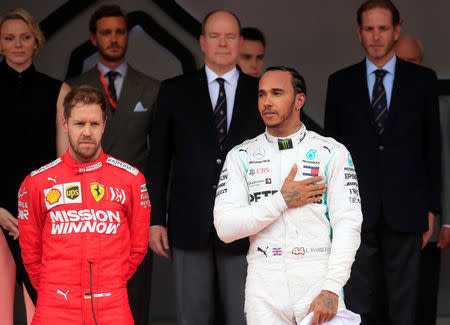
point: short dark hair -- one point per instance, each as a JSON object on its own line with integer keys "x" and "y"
{"x": 253, "y": 34}
{"x": 205, "y": 20}
{"x": 107, "y": 11}
{"x": 84, "y": 95}
{"x": 297, "y": 80}
{"x": 384, "y": 4}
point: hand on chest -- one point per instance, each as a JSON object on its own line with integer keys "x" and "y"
{"x": 268, "y": 168}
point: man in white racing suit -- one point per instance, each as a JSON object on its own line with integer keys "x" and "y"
{"x": 295, "y": 193}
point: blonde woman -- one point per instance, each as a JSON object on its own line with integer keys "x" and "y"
{"x": 28, "y": 109}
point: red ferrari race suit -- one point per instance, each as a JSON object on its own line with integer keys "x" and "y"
{"x": 83, "y": 232}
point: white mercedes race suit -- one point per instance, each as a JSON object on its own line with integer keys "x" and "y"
{"x": 294, "y": 253}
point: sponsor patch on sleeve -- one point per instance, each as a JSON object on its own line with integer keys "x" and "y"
{"x": 351, "y": 183}
{"x": 50, "y": 165}
{"x": 122, "y": 165}
{"x": 22, "y": 205}
{"x": 222, "y": 186}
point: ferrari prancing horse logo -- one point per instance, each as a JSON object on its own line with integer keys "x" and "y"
{"x": 97, "y": 191}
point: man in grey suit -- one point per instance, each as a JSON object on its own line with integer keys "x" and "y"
{"x": 131, "y": 96}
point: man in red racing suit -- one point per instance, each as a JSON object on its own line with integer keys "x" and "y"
{"x": 83, "y": 232}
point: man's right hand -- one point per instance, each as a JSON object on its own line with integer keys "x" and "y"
{"x": 158, "y": 240}
{"x": 8, "y": 222}
{"x": 299, "y": 193}
{"x": 444, "y": 238}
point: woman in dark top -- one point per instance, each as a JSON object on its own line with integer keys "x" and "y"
{"x": 28, "y": 111}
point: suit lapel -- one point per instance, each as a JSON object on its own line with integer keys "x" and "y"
{"x": 239, "y": 99}
{"x": 203, "y": 103}
{"x": 93, "y": 78}
{"x": 395, "y": 96}
{"x": 362, "y": 92}
{"x": 130, "y": 91}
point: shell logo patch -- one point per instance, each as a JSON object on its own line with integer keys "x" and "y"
{"x": 98, "y": 191}
{"x": 53, "y": 196}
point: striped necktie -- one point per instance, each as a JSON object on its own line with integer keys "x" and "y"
{"x": 111, "y": 88}
{"x": 220, "y": 112}
{"x": 379, "y": 101}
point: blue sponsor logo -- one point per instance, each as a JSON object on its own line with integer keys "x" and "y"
{"x": 311, "y": 154}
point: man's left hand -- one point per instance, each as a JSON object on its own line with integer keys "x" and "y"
{"x": 427, "y": 235}
{"x": 324, "y": 307}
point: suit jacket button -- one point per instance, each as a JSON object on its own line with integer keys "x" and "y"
{"x": 214, "y": 187}
{"x": 219, "y": 161}
{"x": 380, "y": 147}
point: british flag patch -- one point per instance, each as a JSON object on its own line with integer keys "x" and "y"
{"x": 277, "y": 252}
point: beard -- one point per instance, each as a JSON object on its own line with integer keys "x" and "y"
{"x": 282, "y": 118}
{"x": 381, "y": 53}
{"x": 83, "y": 154}
{"x": 113, "y": 57}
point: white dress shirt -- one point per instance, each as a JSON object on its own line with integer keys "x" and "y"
{"x": 118, "y": 81}
{"x": 388, "y": 80}
{"x": 231, "y": 80}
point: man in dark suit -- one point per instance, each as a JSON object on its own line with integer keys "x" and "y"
{"x": 386, "y": 112}
{"x": 410, "y": 49}
{"x": 199, "y": 118}
{"x": 131, "y": 96}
